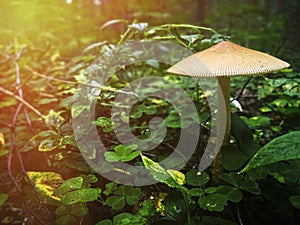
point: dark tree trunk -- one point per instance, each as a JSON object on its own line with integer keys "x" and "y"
{"x": 290, "y": 50}
{"x": 200, "y": 12}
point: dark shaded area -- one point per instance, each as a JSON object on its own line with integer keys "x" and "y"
{"x": 41, "y": 52}
{"x": 290, "y": 49}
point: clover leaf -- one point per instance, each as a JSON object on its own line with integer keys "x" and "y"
{"x": 122, "y": 195}
{"x": 196, "y": 178}
{"x": 122, "y": 153}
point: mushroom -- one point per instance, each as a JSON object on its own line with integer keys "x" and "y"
{"x": 222, "y": 61}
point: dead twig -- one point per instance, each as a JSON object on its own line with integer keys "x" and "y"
{"x": 13, "y": 147}
{"x": 27, "y": 104}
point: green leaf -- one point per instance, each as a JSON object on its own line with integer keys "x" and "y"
{"x": 105, "y": 123}
{"x": 285, "y": 147}
{"x": 130, "y": 156}
{"x": 105, "y": 222}
{"x": 48, "y": 145}
{"x": 130, "y": 193}
{"x": 71, "y": 184}
{"x": 250, "y": 186}
{"x": 122, "y": 153}
{"x": 120, "y": 217}
{"x": 47, "y": 101}
{"x": 295, "y": 200}
{"x": 77, "y": 163}
{"x": 257, "y": 121}
{"x": 213, "y": 202}
{"x": 62, "y": 210}
{"x": 3, "y": 198}
{"x": 79, "y": 210}
{"x": 191, "y": 37}
{"x": 280, "y": 102}
{"x": 110, "y": 187}
{"x": 284, "y": 172}
{"x": 81, "y": 195}
{"x": 2, "y": 139}
{"x": 3, "y": 151}
{"x": 242, "y": 183}
{"x": 77, "y": 110}
{"x": 232, "y": 178}
{"x": 7, "y": 102}
{"x": 111, "y": 157}
{"x": 147, "y": 208}
{"x": 115, "y": 202}
{"x": 210, "y": 190}
{"x": 45, "y": 183}
{"x": 132, "y": 200}
{"x": 232, "y": 157}
{"x": 157, "y": 171}
{"x": 54, "y": 119}
{"x": 196, "y": 178}
{"x": 90, "y": 179}
{"x": 153, "y": 63}
{"x": 233, "y": 194}
{"x": 138, "y": 111}
{"x": 177, "y": 176}
{"x": 173, "y": 121}
{"x": 196, "y": 192}
{"x": 175, "y": 207}
{"x": 162, "y": 175}
{"x": 243, "y": 136}
{"x": 66, "y": 220}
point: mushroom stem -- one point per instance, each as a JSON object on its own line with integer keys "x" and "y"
{"x": 223, "y": 123}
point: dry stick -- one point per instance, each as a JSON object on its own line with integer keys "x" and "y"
{"x": 12, "y": 148}
{"x": 20, "y": 91}
{"x": 7, "y": 92}
{"x": 13, "y": 133}
{"x": 13, "y": 138}
{"x": 49, "y": 78}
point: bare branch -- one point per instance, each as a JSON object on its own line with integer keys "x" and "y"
{"x": 7, "y": 92}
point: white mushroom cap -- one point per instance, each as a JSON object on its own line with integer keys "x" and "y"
{"x": 227, "y": 59}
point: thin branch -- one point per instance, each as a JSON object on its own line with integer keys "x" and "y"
{"x": 20, "y": 91}
{"x": 244, "y": 87}
{"x": 7, "y": 92}
{"x": 49, "y": 78}
{"x": 187, "y": 26}
{"x": 239, "y": 216}
{"x": 12, "y": 147}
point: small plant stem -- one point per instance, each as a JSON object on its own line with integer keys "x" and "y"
{"x": 223, "y": 124}
{"x": 239, "y": 216}
{"x": 188, "y": 26}
{"x": 187, "y": 204}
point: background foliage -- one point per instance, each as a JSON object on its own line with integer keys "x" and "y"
{"x": 45, "y": 47}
